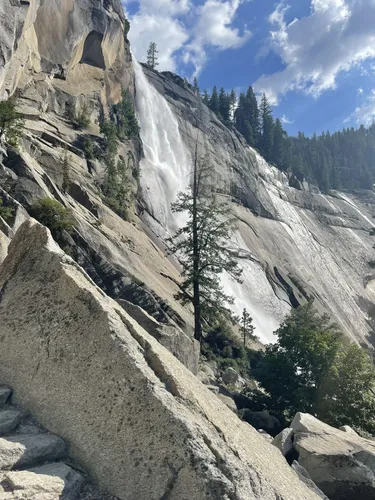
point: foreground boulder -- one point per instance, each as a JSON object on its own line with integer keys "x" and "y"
{"x": 340, "y": 463}
{"x": 134, "y": 416}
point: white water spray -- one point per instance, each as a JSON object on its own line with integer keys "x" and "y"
{"x": 166, "y": 167}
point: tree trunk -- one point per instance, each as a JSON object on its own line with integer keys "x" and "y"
{"x": 196, "y": 291}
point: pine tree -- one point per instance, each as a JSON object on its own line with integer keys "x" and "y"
{"x": 278, "y": 149}
{"x": 214, "y": 101}
{"x": 202, "y": 248}
{"x": 206, "y": 97}
{"x": 267, "y": 128}
{"x": 66, "y": 178}
{"x": 196, "y": 86}
{"x": 253, "y": 112}
{"x": 124, "y": 115}
{"x": 247, "y": 328}
{"x": 224, "y": 108}
{"x": 11, "y": 122}
{"x": 232, "y": 104}
{"x": 152, "y": 55}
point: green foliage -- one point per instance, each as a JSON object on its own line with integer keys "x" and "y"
{"x": 152, "y": 55}
{"x": 247, "y": 328}
{"x": 310, "y": 369}
{"x": 88, "y": 147}
{"x": 267, "y": 129}
{"x": 80, "y": 120}
{"x": 117, "y": 188}
{"x": 53, "y": 215}
{"x": 196, "y": 86}
{"x": 124, "y": 116}
{"x": 222, "y": 346}
{"x": 224, "y": 105}
{"x": 202, "y": 246}
{"x": 214, "y": 103}
{"x": 109, "y": 130}
{"x": 11, "y": 122}
{"x": 5, "y": 212}
{"x": 66, "y": 167}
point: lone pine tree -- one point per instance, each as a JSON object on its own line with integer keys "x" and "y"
{"x": 202, "y": 248}
{"x": 152, "y": 55}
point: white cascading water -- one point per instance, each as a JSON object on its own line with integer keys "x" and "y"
{"x": 166, "y": 166}
{"x": 165, "y": 171}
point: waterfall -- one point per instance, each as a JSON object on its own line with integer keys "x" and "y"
{"x": 165, "y": 171}
{"x": 166, "y": 166}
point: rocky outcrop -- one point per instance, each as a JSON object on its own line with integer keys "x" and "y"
{"x": 339, "y": 462}
{"x": 86, "y": 45}
{"x": 134, "y": 416}
{"x": 31, "y": 466}
{"x": 185, "y": 348}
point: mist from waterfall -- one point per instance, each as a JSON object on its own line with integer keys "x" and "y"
{"x": 166, "y": 166}
{"x": 165, "y": 171}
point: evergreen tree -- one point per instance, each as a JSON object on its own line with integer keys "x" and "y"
{"x": 267, "y": 128}
{"x": 232, "y": 104}
{"x": 253, "y": 112}
{"x": 278, "y": 148}
{"x": 247, "y": 328}
{"x": 202, "y": 247}
{"x": 196, "y": 86}
{"x": 310, "y": 369}
{"x": 224, "y": 107}
{"x": 125, "y": 118}
{"x": 242, "y": 120}
{"x": 206, "y": 97}
{"x": 66, "y": 179}
{"x": 152, "y": 55}
{"x": 11, "y": 122}
{"x": 214, "y": 101}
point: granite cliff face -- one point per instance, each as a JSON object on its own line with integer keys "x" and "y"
{"x": 294, "y": 243}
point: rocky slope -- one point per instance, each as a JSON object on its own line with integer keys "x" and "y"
{"x": 140, "y": 423}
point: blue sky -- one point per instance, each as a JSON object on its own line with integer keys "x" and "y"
{"x": 315, "y": 59}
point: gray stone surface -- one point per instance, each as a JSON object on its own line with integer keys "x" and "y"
{"x": 138, "y": 420}
{"x": 230, "y": 376}
{"x": 26, "y": 450}
{"x": 340, "y": 463}
{"x": 5, "y": 393}
{"x": 305, "y": 477}
{"x": 9, "y": 419}
{"x": 347, "y": 428}
{"x": 284, "y": 441}
{"x": 185, "y": 348}
{"x": 48, "y": 482}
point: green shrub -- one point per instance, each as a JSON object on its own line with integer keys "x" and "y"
{"x": 221, "y": 345}
{"x": 5, "y": 212}
{"x": 80, "y": 120}
{"x": 11, "y": 122}
{"x": 124, "y": 115}
{"x": 53, "y": 215}
{"x": 88, "y": 148}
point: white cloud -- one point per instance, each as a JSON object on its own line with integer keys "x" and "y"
{"x": 169, "y": 34}
{"x": 360, "y": 91}
{"x": 366, "y": 113}
{"x": 214, "y": 28}
{"x": 165, "y": 22}
{"x": 337, "y": 35}
{"x": 284, "y": 119}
